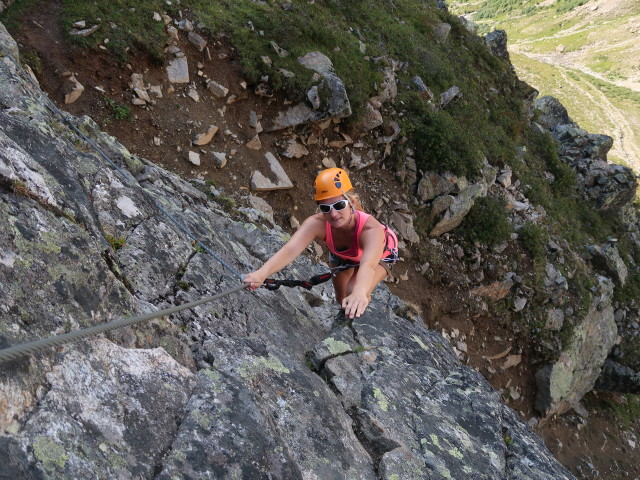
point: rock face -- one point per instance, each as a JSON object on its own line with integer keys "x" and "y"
{"x": 84, "y": 389}
{"x": 609, "y": 187}
{"x": 221, "y": 390}
{"x": 562, "y": 385}
{"x": 607, "y": 259}
{"x": 618, "y": 378}
{"x": 497, "y": 43}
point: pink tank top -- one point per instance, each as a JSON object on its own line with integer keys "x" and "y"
{"x": 354, "y": 252}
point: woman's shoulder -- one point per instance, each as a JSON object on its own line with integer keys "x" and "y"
{"x": 370, "y": 221}
{"x": 316, "y": 222}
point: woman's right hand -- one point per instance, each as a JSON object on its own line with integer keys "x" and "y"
{"x": 255, "y": 280}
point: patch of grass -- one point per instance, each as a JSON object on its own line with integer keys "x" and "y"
{"x": 534, "y": 239}
{"x": 564, "y": 6}
{"x": 487, "y": 222}
{"x": 226, "y": 202}
{"x": 198, "y": 248}
{"x": 128, "y": 24}
{"x": 116, "y": 242}
{"x": 118, "y": 111}
{"x": 12, "y": 16}
{"x": 30, "y": 57}
{"x": 624, "y": 408}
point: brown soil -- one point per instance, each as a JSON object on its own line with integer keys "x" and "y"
{"x": 585, "y": 446}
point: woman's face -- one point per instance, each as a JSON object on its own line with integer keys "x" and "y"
{"x": 339, "y": 214}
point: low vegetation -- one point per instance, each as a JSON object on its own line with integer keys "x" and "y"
{"x": 115, "y": 242}
{"x": 118, "y": 111}
{"x": 487, "y": 222}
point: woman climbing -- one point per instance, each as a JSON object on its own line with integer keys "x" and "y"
{"x": 353, "y": 238}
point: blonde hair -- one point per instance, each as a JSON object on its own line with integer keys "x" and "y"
{"x": 354, "y": 200}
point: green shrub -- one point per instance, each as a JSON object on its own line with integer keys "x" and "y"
{"x": 441, "y": 144}
{"x": 564, "y": 6}
{"x": 545, "y": 148}
{"x": 487, "y": 222}
{"x": 118, "y": 111}
{"x": 116, "y": 242}
{"x": 534, "y": 239}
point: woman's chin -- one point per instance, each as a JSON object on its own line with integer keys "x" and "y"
{"x": 339, "y": 223}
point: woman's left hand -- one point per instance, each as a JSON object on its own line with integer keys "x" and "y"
{"x": 355, "y": 304}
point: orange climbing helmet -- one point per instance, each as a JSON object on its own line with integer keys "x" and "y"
{"x": 331, "y": 183}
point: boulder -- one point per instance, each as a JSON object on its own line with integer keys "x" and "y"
{"x": 74, "y": 91}
{"x": 173, "y": 33}
{"x": 205, "y": 138}
{"x": 178, "y": 70}
{"x": 260, "y": 182}
{"x": 470, "y": 25}
{"x": 402, "y": 225}
{"x": 197, "y": 41}
{"x": 422, "y": 87}
{"x": 462, "y": 203}
{"x": 218, "y": 90}
{"x": 84, "y": 32}
{"x": 451, "y": 94}
{"x": 194, "y": 158}
{"x": 618, "y": 378}
{"x": 606, "y": 258}
{"x": 497, "y": 43}
{"x": 185, "y": 25}
{"x": 370, "y": 120}
{"x": 193, "y": 95}
{"x": 562, "y": 384}
{"x": 495, "y": 291}
{"x": 219, "y": 159}
{"x": 553, "y": 112}
{"x": 441, "y": 31}
{"x": 254, "y": 143}
{"x": 433, "y": 185}
{"x": 295, "y": 149}
{"x": 336, "y": 106}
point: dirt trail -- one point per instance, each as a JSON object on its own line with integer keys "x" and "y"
{"x": 630, "y": 151}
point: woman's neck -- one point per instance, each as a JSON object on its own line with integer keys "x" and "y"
{"x": 349, "y": 227}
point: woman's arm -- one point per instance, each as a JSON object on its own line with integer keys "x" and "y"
{"x": 311, "y": 229}
{"x": 372, "y": 242}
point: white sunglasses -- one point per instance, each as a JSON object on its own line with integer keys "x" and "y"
{"x": 339, "y": 205}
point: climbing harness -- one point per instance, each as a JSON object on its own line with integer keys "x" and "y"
{"x": 55, "y": 110}
{"x": 35, "y": 346}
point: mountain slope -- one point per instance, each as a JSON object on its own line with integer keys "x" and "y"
{"x": 582, "y": 52}
{"x": 270, "y": 386}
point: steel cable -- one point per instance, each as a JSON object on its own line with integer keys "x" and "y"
{"x": 38, "y": 345}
